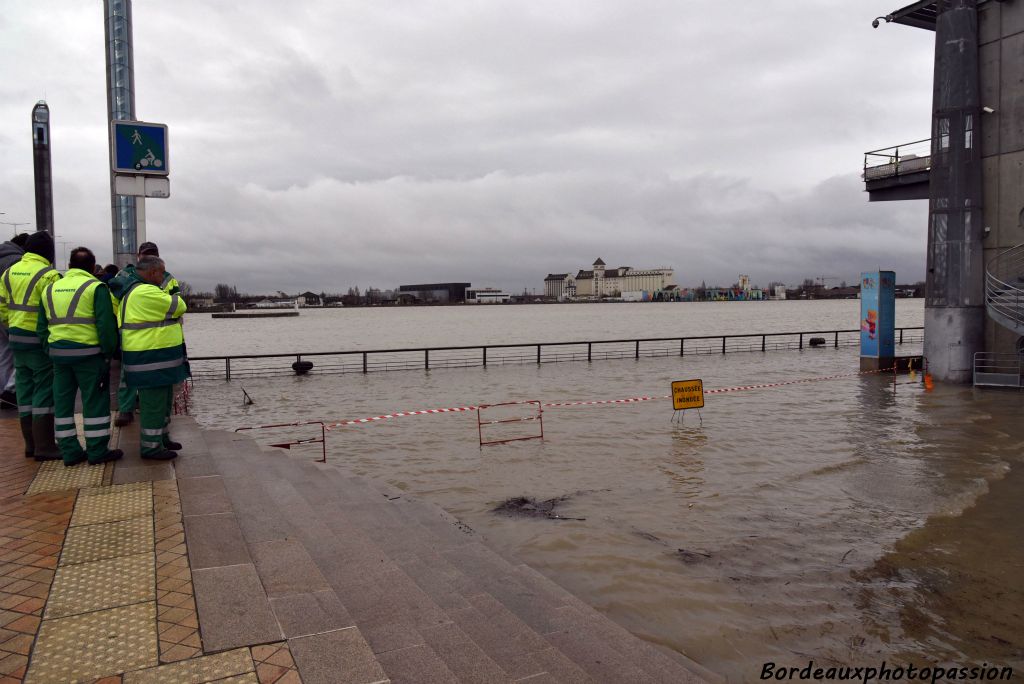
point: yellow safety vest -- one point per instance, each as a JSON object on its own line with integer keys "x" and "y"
{"x": 69, "y": 304}
{"x": 152, "y": 341}
{"x": 23, "y": 284}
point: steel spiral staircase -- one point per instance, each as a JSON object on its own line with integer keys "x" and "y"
{"x": 1004, "y": 303}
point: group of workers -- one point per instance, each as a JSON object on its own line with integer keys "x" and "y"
{"x": 63, "y": 332}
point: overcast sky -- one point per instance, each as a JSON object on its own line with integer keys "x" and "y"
{"x": 322, "y": 144}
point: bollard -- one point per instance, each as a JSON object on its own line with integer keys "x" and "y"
{"x": 837, "y": 340}
{"x": 485, "y": 357}
{"x": 364, "y": 362}
{"x": 227, "y": 369}
{"x": 636, "y": 355}
{"x": 682, "y": 346}
{"x": 538, "y": 354}
{"x": 763, "y": 337}
{"x": 589, "y": 345}
{"x": 426, "y": 359}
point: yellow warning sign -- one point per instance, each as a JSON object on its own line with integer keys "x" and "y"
{"x": 687, "y": 394}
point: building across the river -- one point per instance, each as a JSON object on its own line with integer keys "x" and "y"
{"x": 602, "y": 282}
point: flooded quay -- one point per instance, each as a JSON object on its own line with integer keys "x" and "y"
{"x": 845, "y": 521}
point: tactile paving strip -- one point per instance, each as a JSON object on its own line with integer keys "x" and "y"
{"x": 53, "y": 476}
{"x": 87, "y": 543}
{"x": 206, "y": 669}
{"x": 101, "y": 584}
{"x": 93, "y": 645}
{"x": 120, "y": 502}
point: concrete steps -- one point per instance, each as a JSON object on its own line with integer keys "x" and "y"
{"x": 369, "y": 585}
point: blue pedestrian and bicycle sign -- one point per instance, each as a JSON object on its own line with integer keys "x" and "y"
{"x": 140, "y": 148}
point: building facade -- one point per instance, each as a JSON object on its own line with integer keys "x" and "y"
{"x": 602, "y": 282}
{"x": 560, "y": 286}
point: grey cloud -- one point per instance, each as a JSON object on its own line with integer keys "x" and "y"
{"x": 324, "y": 145}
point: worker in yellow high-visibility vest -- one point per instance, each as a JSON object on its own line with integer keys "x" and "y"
{"x": 152, "y": 353}
{"x": 127, "y": 398}
{"x": 20, "y": 288}
{"x": 80, "y": 333}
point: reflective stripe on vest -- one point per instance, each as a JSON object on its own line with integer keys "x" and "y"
{"x": 158, "y": 365}
{"x": 169, "y": 318}
{"x": 24, "y": 305}
{"x": 77, "y": 302}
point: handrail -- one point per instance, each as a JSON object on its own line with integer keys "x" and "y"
{"x": 510, "y": 345}
{"x": 526, "y": 352}
{"x": 1004, "y": 288}
{"x": 895, "y": 160}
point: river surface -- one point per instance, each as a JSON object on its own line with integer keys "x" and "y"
{"x": 843, "y": 520}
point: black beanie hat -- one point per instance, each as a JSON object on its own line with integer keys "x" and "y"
{"x": 40, "y": 243}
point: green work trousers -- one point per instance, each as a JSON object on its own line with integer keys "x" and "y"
{"x": 90, "y": 376}
{"x": 126, "y": 396}
{"x": 33, "y": 383}
{"x": 155, "y": 418}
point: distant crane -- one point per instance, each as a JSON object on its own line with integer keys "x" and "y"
{"x": 824, "y": 279}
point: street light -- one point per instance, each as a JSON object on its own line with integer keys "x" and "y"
{"x": 15, "y": 224}
{"x": 887, "y": 18}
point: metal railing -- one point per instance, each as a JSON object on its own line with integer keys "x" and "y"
{"x": 1004, "y": 288}
{"x": 321, "y": 440}
{"x": 376, "y": 360}
{"x": 998, "y": 370}
{"x": 900, "y": 160}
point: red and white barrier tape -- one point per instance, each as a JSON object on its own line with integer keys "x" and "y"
{"x": 400, "y": 414}
{"x": 630, "y": 400}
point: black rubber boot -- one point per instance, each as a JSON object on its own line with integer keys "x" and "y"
{"x": 75, "y": 460}
{"x": 171, "y": 444}
{"x": 26, "y": 432}
{"x": 111, "y": 455}
{"x": 42, "y": 435}
{"x": 164, "y": 455}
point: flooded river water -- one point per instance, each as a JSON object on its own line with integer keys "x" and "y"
{"x": 838, "y": 520}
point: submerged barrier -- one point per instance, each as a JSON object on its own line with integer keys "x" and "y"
{"x": 540, "y": 406}
{"x": 377, "y": 360}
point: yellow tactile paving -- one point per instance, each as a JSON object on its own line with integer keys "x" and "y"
{"x": 98, "y": 644}
{"x": 206, "y": 669}
{"x": 107, "y": 540}
{"x": 101, "y": 584}
{"x": 107, "y": 504}
{"x": 117, "y": 489}
{"x": 53, "y": 476}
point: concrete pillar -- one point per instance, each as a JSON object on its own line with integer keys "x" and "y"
{"x": 954, "y": 305}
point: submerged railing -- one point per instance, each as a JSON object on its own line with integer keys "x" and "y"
{"x": 377, "y": 360}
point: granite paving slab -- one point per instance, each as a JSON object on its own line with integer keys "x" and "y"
{"x": 214, "y": 540}
{"x": 203, "y": 495}
{"x": 233, "y": 608}
{"x": 285, "y": 568}
{"x": 310, "y": 613}
{"x": 339, "y": 657}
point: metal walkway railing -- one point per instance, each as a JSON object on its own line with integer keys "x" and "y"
{"x": 898, "y": 160}
{"x": 1004, "y": 288}
{"x": 998, "y": 370}
{"x": 370, "y": 360}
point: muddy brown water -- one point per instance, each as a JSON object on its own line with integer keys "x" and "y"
{"x": 836, "y": 521}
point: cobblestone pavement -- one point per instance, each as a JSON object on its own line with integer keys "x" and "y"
{"x": 95, "y": 583}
